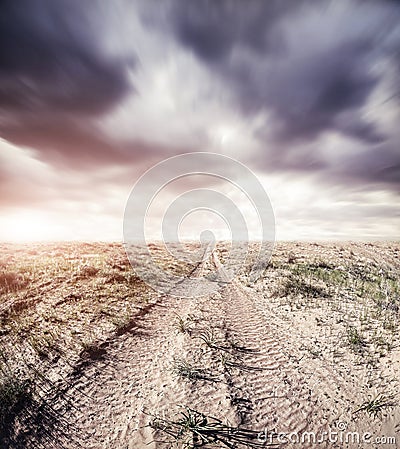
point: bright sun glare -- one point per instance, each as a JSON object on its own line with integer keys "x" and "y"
{"x": 26, "y": 227}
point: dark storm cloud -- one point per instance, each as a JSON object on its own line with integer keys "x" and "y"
{"x": 305, "y": 84}
{"x": 50, "y": 59}
{"x": 70, "y": 144}
{"x": 380, "y": 165}
{"x": 375, "y": 166}
{"x": 66, "y": 142}
{"x": 310, "y": 95}
{"x": 56, "y": 77}
{"x": 310, "y": 76}
{"x": 213, "y": 28}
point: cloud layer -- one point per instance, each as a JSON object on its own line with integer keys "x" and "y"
{"x": 301, "y": 91}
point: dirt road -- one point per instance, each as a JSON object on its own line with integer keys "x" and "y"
{"x": 226, "y": 355}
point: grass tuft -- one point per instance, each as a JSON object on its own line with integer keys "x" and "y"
{"x": 194, "y": 429}
{"x": 187, "y": 370}
{"x": 355, "y": 339}
{"x": 209, "y": 338}
{"x": 11, "y": 281}
{"x": 183, "y": 325}
{"x": 375, "y": 406}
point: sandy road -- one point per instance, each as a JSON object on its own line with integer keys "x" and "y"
{"x": 252, "y": 380}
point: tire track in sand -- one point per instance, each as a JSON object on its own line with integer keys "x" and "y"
{"x": 265, "y": 392}
{"x": 135, "y": 378}
{"x": 277, "y": 395}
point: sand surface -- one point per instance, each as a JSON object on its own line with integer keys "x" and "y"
{"x": 269, "y": 385}
{"x": 257, "y": 357}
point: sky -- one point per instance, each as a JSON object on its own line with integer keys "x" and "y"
{"x": 304, "y": 93}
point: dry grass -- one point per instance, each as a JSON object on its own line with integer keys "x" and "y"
{"x": 354, "y": 289}
{"x": 59, "y": 304}
{"x": 193, "y": 429}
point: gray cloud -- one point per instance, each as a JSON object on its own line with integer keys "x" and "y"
{"x": 306, "y": 84}
{"x": 213, "y": 29}
{"x": 374, "y": 167}
{"x": 56, "y": 77}
{"x": 311, "y": 68}
{"x": 380, "y": 165}
{"x": 51, "y": 59}
{"x": 64, "y": 141}
{"x": 285, "y": 86}
{"x": 70, "y": 144}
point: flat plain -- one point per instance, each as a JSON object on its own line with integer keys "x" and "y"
{"x": 92, "y": 357}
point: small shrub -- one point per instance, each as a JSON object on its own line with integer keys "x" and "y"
{"x": 186, "y": 370}
{"x": 183, "y": 325}
{"x": 355, "y": 339}
{"x": 87, "y": 271}
{"x": 375, "y": 406}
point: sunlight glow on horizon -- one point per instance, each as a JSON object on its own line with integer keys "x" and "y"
{"x": 28, "y": 226}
